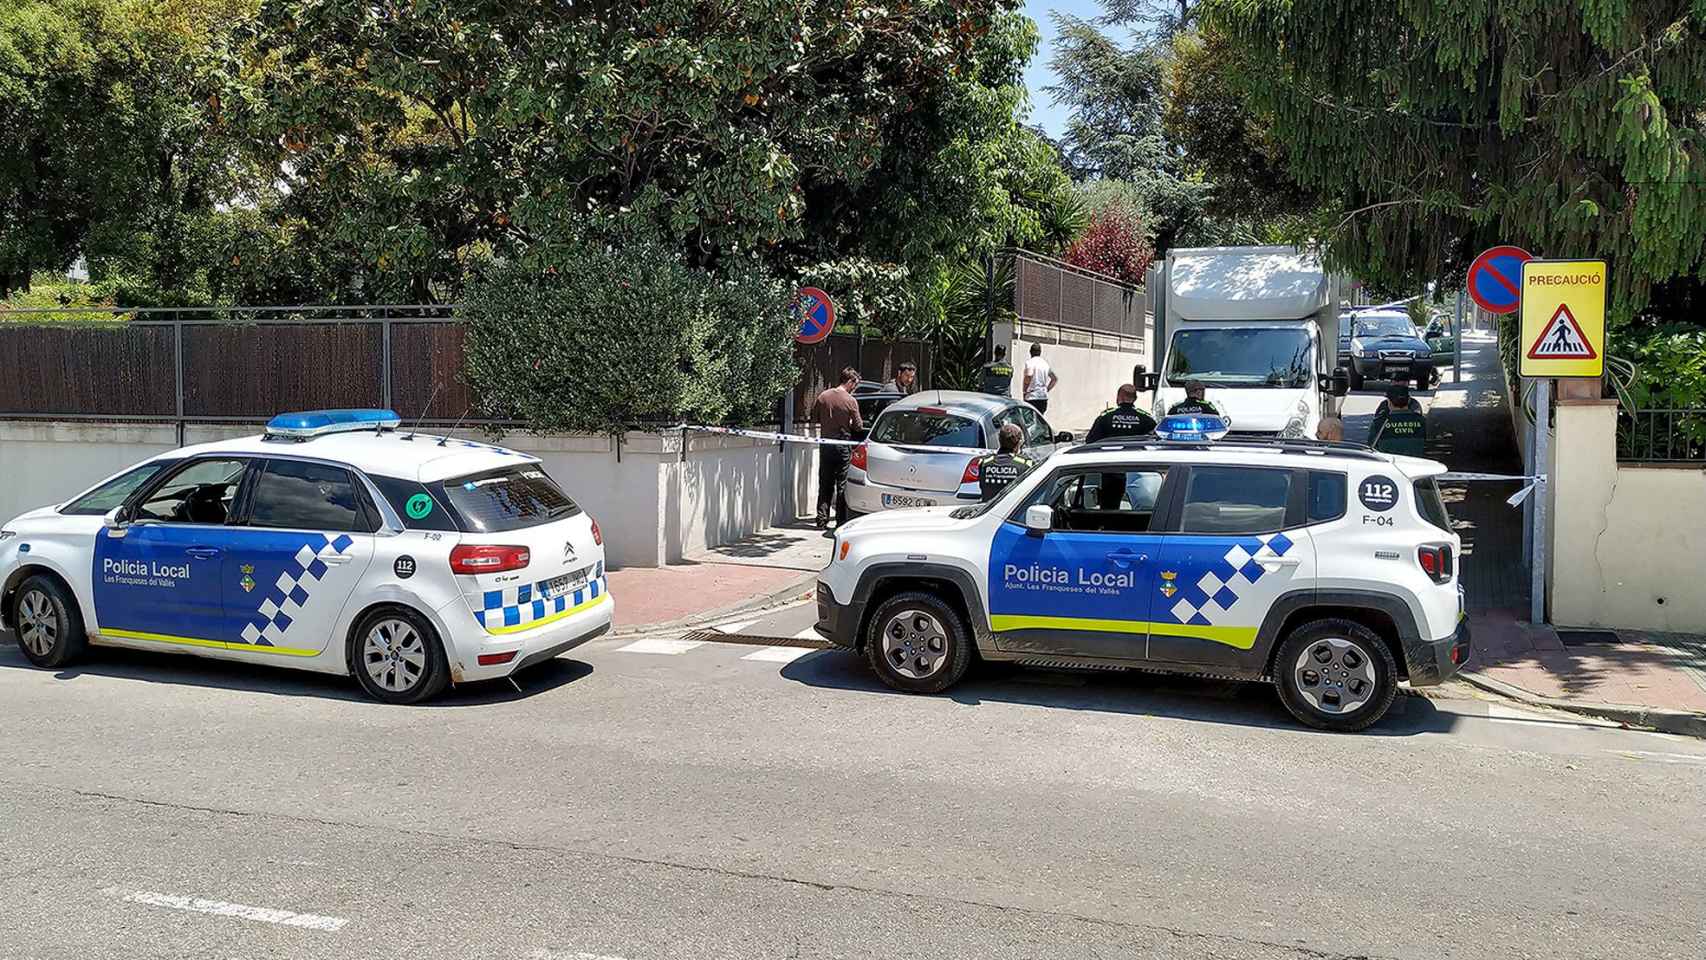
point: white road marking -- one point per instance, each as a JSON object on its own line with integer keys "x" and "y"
{"x": 665, "y": 647}
{"x": 778, "y": 654}
{"x": 220, "y": 908}
{"x": 1688, "y": 758}
{"x": 809, "y": 633}
{"x": 735, "y": 626}
{"x": 578, "y": 955}
{"x": 1499, "y": 713}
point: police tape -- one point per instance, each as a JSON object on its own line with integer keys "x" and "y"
{"x": 1515, "y": 499}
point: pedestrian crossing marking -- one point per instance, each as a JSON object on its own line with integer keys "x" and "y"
{"x": 1562, "y": 339}
{"x": 778, "y": 654}
{"x": 668, "y": 648}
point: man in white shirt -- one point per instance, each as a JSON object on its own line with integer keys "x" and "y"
{"x": 1039, "y": 379}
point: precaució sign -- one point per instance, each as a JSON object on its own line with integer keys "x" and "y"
{"x": 1563, "y": 318}
{"x": 816, "y": 313}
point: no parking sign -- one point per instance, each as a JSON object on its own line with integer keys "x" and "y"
{"x": 1495, "y": 279}
{"x": 816, "y": 313}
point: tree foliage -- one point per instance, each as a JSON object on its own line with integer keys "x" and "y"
{"x": 1114, "y": 244}
{"x": 1442, "y": 127}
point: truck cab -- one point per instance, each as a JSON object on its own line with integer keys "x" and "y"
{"x": 1258, "y": 327}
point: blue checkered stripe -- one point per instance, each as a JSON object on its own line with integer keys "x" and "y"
{"x": 1218, "y": 589}
{"x": 525, "y": 604}
{"x": 291, "y": 591}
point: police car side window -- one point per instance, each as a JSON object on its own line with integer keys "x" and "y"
{"x": 200, "y": 491}
{"x": 1326, "y": 496}
{"x": 114, "y": 492}
{"x": 294, "y": 495}
{"x": 414, "y": 504}
{"x": 1109, "y": 499}
{"x": 1235, "y": 500}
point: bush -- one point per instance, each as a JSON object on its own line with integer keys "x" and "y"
{"x": 604, "y": 337}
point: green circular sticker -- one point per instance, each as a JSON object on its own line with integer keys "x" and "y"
{"x": 418, "y": 506}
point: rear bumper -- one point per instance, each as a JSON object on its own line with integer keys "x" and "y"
{"x": 863, "y": 496}
{"x": 1433, "y": 662}
{"x": 529, "y": 647}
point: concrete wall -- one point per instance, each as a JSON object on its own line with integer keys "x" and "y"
{"x": 1091, "y": 366}
{"x": 655, "y": 501}
{"x": 1628, "y": 539}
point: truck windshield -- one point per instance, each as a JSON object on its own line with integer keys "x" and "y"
{"x": 1241, "y": 357}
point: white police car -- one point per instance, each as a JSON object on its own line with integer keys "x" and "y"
{"x": 334, "y": 542}
{"x": 1328, "y": 568}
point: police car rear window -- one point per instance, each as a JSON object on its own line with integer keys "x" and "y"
{"x": 510, "y": 498}
{"x": 927, "y": 428}
{"x": 1431, "y": 504}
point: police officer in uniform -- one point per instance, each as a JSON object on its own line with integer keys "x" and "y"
{"x": 998, "y": 471}
{"x": 1399, "y": 427}
{"x": 996, "y": 376}
{"x": 1194, "y": 402}
{"x": 1124, "y": 420}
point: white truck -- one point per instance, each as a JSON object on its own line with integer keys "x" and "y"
{"x": 1258, "y": 327}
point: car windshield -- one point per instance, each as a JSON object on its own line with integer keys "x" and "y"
{"x": 1385, "y": 327}
{"x": 508, "y": 499}
{"x": 927, "y": 426}
{"x": 1241, "y": 357}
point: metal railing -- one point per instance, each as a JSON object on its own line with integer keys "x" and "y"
{"x": 1662, "y": 435}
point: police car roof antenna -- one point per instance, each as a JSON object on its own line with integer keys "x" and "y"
{"x": 444, "y": 439}
{"x": 417, "y": 427}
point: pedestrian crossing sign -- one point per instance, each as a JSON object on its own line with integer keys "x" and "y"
{"x": 1563, "y": 318}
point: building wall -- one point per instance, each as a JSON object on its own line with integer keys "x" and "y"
{"x": 1627, "y": 539}
{"x": 654, "y": 501}
{"x": 1090, "y": 367}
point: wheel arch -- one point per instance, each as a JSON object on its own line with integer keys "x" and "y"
{"x": 1387, "y": 616}
{"x": 953, "y": 584}
{"x": 353, "y": 634}
{"x": 15, "y": 581}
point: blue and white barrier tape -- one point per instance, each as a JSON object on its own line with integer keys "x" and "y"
{"x": 1515, "y": 499}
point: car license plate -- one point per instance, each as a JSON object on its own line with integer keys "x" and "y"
{"x": 893, "y": 500}
{"x": 567, "y": 583}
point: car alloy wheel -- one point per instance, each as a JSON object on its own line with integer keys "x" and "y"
{"x": 1335, "y": 676}
{"x": 915, "y": 644}
{"x": 38, "y": 622}
{"x": 394, "y": 655}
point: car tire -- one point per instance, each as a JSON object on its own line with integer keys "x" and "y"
{"x": 396, "y": 656}
{"x": 48, "y": 623}
{"x": 1336, "y": 674}
{"x": 1356, "y": 379}
{"x": 918, "y": 643}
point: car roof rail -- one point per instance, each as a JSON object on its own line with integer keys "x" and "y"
{"x": 1293, "y": 445}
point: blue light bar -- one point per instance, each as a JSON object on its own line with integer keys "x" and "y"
{"x": 314, "y": 423}
{"x": 1191, "y": 427}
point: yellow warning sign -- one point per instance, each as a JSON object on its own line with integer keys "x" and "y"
{"x": 1563, "y": 318}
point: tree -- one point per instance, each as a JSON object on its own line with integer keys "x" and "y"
{"x": 1439, "y": 128}
{"x": 1114, "y": 244}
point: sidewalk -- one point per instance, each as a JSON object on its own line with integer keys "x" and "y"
{"x": 772, "y": 566}
{"x": 1649, "y": 679}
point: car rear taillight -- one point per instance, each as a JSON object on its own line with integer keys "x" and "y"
{"x": 1436, "y": 561}
{"x": 859, "y": 459}
{"x": 972, "y": 470}
{"x": 597, "y": 534}
{"x": 488, "y": 558}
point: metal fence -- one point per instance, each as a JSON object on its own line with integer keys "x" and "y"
{"x": 1053, "y": 292}
{"x": 1658, "y": 435}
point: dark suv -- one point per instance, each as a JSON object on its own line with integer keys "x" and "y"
{"x": 1386, "y": 346}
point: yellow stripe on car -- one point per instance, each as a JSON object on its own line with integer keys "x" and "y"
{"x": 213, "y": 644}
{"x": 553, "y": 617}
{"x": 1242, "y": 638}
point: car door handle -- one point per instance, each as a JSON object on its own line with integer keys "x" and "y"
{"x": 202, "y": 553}
{"x": 1127, "y": 556}
{"x": 1279, "y": 561}
{"x": 335, "y": 559}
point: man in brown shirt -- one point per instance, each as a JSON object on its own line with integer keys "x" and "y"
{"x": 838, "y": 413}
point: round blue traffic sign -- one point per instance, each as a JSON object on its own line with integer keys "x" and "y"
{"x": 816, "y": 313}
{"x": 1495, "y": 279}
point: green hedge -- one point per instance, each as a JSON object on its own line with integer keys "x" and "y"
{"x": 605, "y": 337}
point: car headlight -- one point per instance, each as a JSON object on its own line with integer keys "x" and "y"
{"x": 1293, "y": 429}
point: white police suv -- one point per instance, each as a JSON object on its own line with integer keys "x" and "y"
{"x": 1328, "y": 568}
{"x": 334, "y": 542}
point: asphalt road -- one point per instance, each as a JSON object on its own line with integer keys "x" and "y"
{"x": 660, "y": 798}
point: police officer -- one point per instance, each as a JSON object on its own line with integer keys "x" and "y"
{"x": 998, "y": 471}
{"x": 997, "y": 375}
{"x": 1123, "y": 419}
{"x": 1398, "y": 426}
{"x": 1194, "y": 402}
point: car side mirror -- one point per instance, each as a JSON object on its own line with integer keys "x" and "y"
{"x": 1147, "y": 381}
{"x": 113, "y": 521}
{"x": 1064, "y": 436}
{"x": 1039, "y": 519}
{"x": 1339, "y": 384}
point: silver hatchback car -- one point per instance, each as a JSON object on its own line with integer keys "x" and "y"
{"x": 920, "y": 449}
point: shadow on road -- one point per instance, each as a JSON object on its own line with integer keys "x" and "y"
{"x": 183, "y": 670}
{"x": 1125, "y": 692}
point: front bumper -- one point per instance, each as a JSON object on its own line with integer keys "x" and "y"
{"x": 837, "y": 622}
{"x": 1397, "y": 370}
{"x": 1433, "y": 662}
{"x": 530, "y": 647}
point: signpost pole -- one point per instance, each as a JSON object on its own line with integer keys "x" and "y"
{"x": 790, "y": 510}
{"x": 1457, "y": 341}
{"x": 1541, "y": 447}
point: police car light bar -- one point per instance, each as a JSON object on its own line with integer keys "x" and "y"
{"x": 1191, "y": 427}
{"x": 314, "y": 423}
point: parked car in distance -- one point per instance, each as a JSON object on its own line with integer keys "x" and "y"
{"x": 1385, "y": 345}
{"x": 919, "y": 450}
{"x": 874, "y": 397}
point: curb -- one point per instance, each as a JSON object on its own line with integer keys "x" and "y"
{"x": 1665, "y": 721}
{"x": 800, "y": 589}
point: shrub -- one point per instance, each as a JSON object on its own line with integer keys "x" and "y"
{"x": 602, "y": 337}
{"x": 1114, "y": 243}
